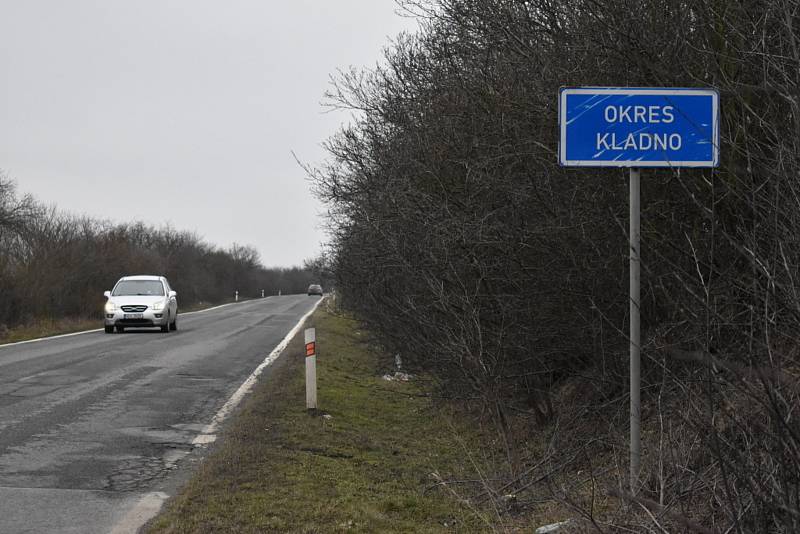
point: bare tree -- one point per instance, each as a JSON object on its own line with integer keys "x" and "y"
{"x": 459, "y": 240}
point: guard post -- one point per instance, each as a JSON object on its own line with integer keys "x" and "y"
{"x": 635, "y": 128}
{"x": 311, "y": 368}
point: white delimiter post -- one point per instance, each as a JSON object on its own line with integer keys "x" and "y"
{"x": 635, "y": 346}
{"x": 311, "y": 368}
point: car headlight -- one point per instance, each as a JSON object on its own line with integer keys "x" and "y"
{"x": 110, "y": 307}
{"x": 158, "y": 305}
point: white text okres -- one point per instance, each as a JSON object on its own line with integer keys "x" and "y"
{"x": 639, "y": 140}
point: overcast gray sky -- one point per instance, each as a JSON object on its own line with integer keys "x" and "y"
{"x": 183, "y": 111}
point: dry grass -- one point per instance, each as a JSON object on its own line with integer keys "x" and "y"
{"x": 372, "y": 467}
{"x": 69, "y": 325}
{"x": 48, "y": 327}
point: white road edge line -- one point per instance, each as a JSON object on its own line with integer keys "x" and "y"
{"x": 150, "y": 504}
{"x": 49, "y": 337}
{"x": 100, "y": 329}
{"x": 208, "y": 435}
{"x": 147, "y": 507}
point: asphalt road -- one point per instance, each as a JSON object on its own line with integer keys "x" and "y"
{"x": 97, "y": 429}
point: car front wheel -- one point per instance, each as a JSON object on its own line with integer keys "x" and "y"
{"x": 109, "y": 329}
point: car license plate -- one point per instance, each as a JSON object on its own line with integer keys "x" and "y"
{"x": 133, "y": 316}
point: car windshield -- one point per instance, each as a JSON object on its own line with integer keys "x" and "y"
{"x": 139, "y": 287}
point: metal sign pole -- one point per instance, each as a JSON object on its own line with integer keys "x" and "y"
{"x": 635, "y": 335}
{"x": 638, "y": 127}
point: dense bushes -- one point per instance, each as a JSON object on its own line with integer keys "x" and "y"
{"x": 54, "y": 265}
{"x": 460, "y": 240}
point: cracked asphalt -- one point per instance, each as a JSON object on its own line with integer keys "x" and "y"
{"x": 93, "y": 423}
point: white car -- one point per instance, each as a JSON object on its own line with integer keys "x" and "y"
{"x": 141, "y": 301}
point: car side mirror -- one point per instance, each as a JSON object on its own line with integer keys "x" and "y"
{"x": 173, "y": 294}
{"x": 107, "y": 294}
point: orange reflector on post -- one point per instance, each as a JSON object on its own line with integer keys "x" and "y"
{"x": 311, "y": 368}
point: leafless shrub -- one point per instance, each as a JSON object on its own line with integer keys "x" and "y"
{"x": 459, "y": 239}
{"x": 54, "y": 265}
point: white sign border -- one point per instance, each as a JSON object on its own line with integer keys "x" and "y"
{"x": 562, "y": 105}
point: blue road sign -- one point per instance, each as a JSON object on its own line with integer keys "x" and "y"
{"x": 638, "y": 127}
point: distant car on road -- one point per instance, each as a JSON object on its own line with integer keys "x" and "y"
{"x": 141, "y": 301}
{"x": 315, "y": 289}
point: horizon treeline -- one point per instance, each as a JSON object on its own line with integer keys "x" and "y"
{"x": 460, "y": 241}
{"x": 56, "y": 265}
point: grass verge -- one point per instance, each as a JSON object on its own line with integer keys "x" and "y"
{"x": 47, "y": 328}
{"x": 371, "y": 467}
